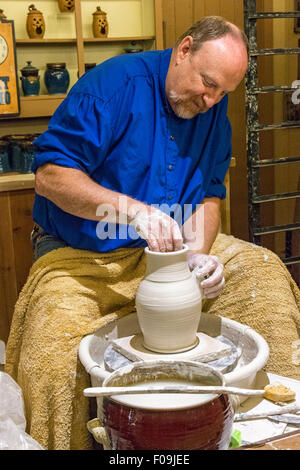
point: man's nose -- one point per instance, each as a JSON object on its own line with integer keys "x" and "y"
{"x": 211, "y": 99}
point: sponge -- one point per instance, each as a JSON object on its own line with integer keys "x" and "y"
{"x": 279, "y": 392}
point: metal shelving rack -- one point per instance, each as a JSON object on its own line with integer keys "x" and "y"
{"x": 254, "y": 128}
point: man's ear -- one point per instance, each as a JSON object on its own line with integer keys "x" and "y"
{"x": 184, "y": 49}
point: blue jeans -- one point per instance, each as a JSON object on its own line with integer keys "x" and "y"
{"x": 42, "y": 242}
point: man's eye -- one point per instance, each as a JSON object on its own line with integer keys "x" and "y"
{"x": 208, "y": 84}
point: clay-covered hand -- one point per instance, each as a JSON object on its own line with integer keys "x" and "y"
{"x": 209, "y": 271}
{"x": 161, "y": 232}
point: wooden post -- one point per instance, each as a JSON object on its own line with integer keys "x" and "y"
{"x": 79, "y": 38}
{"x": 225, "y": 203}
{"x": 159, "y": 24}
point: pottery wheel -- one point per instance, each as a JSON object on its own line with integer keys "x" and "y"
{"x": 218, "y": 352}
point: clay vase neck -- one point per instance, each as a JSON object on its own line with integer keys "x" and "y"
{"x": 168, "y": 303}
{"x": 167, "y": 267}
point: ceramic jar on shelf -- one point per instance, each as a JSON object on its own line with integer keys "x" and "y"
{"x": 88, "y": 67}
{"x": 133, "y": 48}
{"x": 66, "y": 6}
{"x": 30, "y": 80}
{"x": 20, "y": 151}
{"x": 4, "y": 157}
{"x": 100, "y": 24}
{"x": 57, "y": 78}
{"x": 35, "y": 24}
{"x": 28, "y": 152}
{"x": 14, "y": 150}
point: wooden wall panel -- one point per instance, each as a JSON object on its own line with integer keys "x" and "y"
{"x": 15, "y": 251}
{"x": 199, "y": 9}
{"x": 177, "y": 19}
{"x": 21, "y": 221}
{"x": 286, "y": 142}
{"x": 169, "y": 23}
{"x": 8, "y": 284}
{"x": 178, "y": 16}
{"x": 184, "y": 16}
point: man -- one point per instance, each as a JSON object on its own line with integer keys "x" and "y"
{"x": 114, "y": 127}
{"x": 135, "y": 152}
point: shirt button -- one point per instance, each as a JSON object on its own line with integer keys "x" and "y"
{"x": 170, "y": 167}
{"x": 170, "y": 197}
{"x": 172, "y": 137}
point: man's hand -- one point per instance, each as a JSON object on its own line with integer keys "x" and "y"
{"x": 161, "y": 232}
{"x": 209, "y": 271}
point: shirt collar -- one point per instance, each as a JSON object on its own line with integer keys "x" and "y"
{"x": 163, "y": 70}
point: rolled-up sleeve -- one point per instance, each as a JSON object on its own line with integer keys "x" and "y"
{"x": 78, "y": 136}
{"x": 216, "y": 188}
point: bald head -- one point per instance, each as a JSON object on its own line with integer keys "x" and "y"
{"x": 209, "y": 28}
{"x": 205, "y": 65}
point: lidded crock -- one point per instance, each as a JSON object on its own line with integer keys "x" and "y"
{"x": 35, "y": 24}
{"x": 4, "y": 157}
{"x": 89, "y": 66}
{"x": 166, "y": 421}
{"x": 66, "y": 6}
{"x": 29, "y": 70}
{"x": 100, "y": 23}
{"x": 30, "y": 80}
{"x": 168, "y": 302}
{"x": 133, "y": 48}
{"x": 57, "y": 78}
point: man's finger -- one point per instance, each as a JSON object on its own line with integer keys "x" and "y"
{"x": 214, "y": 291}
{"x": 214, "y": 278}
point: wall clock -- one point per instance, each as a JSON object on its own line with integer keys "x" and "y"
{"x": 9, "y": 89}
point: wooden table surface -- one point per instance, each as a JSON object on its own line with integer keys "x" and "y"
{"x": 288, "y": 441}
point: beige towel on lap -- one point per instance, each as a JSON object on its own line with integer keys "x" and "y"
{"x": 69, "y": 294}
{"x": 261, "y": 293}
{"x": 72, "y": 293}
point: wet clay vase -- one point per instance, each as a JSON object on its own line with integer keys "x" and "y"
{"x": 35, "y": 24}
{"x": 165, "y": 420}
{"x": 168, "y": 303}
{"x": 100, "y": 24}
{"x": 66, "y": 6}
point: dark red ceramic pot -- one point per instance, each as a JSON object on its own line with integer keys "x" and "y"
{"x": 207, "y": 426}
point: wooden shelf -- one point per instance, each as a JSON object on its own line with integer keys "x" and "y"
{"x": 16, "y": 181}
{"x": 119, "y": 39}
{"x": 44, "y": 106}
{"x": 39, "y": 106}
{"x": 26, "y": 41}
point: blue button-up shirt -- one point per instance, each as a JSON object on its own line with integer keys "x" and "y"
{"x": 117, "y": 126}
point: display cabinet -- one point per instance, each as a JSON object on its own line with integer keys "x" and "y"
{"x": 68, "y": 38}
{"x": 69, "y": 41}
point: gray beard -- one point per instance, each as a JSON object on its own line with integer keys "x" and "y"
{"x": 180, "y": 107}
